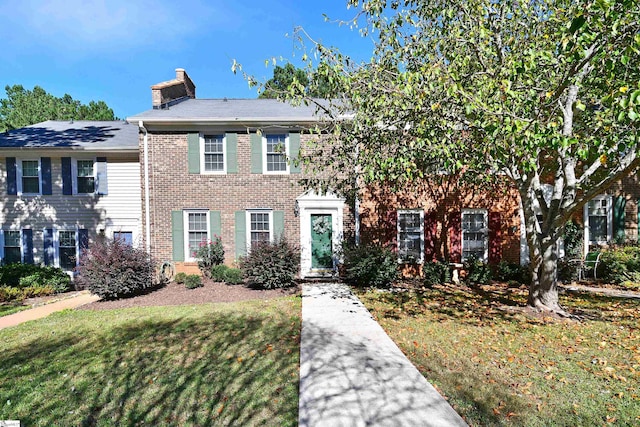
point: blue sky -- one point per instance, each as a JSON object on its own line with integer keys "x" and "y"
{"x": 114, "y": 50}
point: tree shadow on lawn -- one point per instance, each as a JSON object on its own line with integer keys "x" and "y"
{"x": 219, "y": 369}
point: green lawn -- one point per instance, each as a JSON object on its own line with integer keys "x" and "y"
{"x": 214, "y": 364}
{"x": 7, "y": 308}
{"x": 499, "y": 367}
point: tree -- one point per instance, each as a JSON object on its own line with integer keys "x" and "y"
{"x": 284, "y": 78}
{"x": 533, "y": 92}
{"x": 24, "y": 107}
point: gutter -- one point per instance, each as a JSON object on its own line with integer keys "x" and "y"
{"x": 147, "y": 215}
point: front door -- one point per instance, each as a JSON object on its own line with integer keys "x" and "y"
{"x": 321, "y": 241}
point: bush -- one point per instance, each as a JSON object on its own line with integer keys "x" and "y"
{"x": 209, "y": 254}
{"x": 233, "y": 276}
{"x": 435, "y": 273}
{"x": 271, "y": 265}
{"x": 193, "y": 281}
{"x": 370, "y": 265}
{"x": 23, "y": 275}
{"x": 620, "y": 264}
{"x": 9, "y": 293}
{"x": 180, "y": 277}
{"x": 218, "y": 272}
{"x": 513, "y": 272}
{"x": 112, "y": 269}
{"x": 478, "y": 272}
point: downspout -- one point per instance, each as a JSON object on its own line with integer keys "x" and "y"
{"x": 357, "y": 198}
{"x": 147, "y": 215}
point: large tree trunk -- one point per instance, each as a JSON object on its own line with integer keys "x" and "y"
{"x": 543, "y": 291}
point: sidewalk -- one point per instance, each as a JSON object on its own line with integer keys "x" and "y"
{"x": 352, "y": 374}
{"x": 45, "y": 310}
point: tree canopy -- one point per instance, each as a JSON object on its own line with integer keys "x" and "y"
{"x": 23, "y": 107}
{"x": 288, "y": 77}
{"x": 542, "y": 92}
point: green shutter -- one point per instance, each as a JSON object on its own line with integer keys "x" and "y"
{"x": 177, "y": 235}
{"x": 256, "y": 153}
{"x": 619, "y": 205}
{"x": 193, "y": 144}
{"x": 241, "y": 234}
{"x": 232, "y": 152}
{"x": 294, "y": 152}
{"x": 215, "y": 223}
{"x": 278, "y": 224}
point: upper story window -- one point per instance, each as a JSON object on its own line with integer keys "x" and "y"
{"x": 196, "y": 232}
{"x": 475, "y": 234}
{"x": 598, "y": 214}
{"x": 260, "y": 229}
{"x": 411, "y": 236}
{"x": 213, "y": 149}
{"x": 29, "y": 172}
{"x": 276, "y": 149}
{"x": 85, "y": 177}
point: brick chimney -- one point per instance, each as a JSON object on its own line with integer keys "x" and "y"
{"x": 165, "y": 93}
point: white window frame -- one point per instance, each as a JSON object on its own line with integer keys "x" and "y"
{"x": 406, "y": 212}
{"x": 74, "y": 175}
{"x": 587, "y": 226}
{"x": 187, "y": 255}
{"x": 2, "y": 232}
{"x": 19, "y": 176}
{"x": 203, "y": 171}
{"x": 485, "y": 212}
{"x": 248, "y": 224}
{"x": 56, "y": 244}
{"x": 286, "y": 154}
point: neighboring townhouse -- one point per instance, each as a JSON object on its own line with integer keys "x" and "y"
{"x": 63, "y": 184}
{"x": 221, "y": 167}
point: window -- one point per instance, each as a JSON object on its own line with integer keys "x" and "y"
{"x": 411, "y": 236}
{"x": 12, "y": 247}
{"x": 196, "y": 232}
{"x": 67, "y": 247}
{"x": 213, "y": 149}
{"x": 85, "y": 178}
{"x": 475, "y": 242}
{"x": 260, "y": 227}
{"x": 276, "y": 152}
{"x": 29, "y": 172}
{"x": 598, "y": 212}
{"x": 125, "y": 236}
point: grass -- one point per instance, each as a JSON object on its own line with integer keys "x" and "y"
{"x": 7, "y": 308}
{"x": 214, "y": 364}
{"x": 498, "y": 366}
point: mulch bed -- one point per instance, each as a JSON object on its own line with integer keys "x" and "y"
{"x": 175, "y": 294}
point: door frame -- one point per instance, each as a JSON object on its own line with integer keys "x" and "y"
{"x": 329, "y": 204}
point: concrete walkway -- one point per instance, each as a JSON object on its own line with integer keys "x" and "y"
{"x": 45, "y": 310}
{"x": 352, "y": 374}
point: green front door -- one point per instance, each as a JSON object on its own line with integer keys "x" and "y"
{"x": 321, "y": 233}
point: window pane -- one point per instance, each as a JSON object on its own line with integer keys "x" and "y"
{"x": 260, "y": 231}
{"x": 12, "y": 251}
{"x": 30, "y": 185}
{"x": 125, "y": 236}
{"x": 86, "y": 185}
{"x": 598, "y": 228}
{"x": 12, "y": 255}
{"x": 85, "y": 168}
{"x": 11, "y": 238}
{"x": 67, "y": 244}
{"x": 67, "y": 239}
{"x": 30, "y": 168}
{"x": 474, "y": 235}
{"x": 197, "y": 224}
{"x": 213, "y": 153}
{"x": 276, "y": 153}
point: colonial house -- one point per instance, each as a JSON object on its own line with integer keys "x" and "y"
{"x": 63, "y": 183}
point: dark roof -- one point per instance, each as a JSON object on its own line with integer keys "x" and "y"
{"x": 78, "y": 135}
{"x": 229, "y": 111}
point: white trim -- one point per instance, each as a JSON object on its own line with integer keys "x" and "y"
{"x": 185, "y": 218}
{"x": 19, "y": 176}
{"x": 587, "y": 227}
{"x": 74, "y": 175}
{"x": 406, "y": 212}
{"x": 286, "y": 154}
{"x": 248, "y": 213}
{"x": 485, "y": 230}
{"x": 202, "y": 154}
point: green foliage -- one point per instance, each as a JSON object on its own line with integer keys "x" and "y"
{"x": 289, "y": 79}
{"x": 271, "y": 265}
{"x": 24, "y": 107}
{"x": 23, "y": 275}
{"x": 180, "y": 277}
{"x": 218, "y": 272}
{"x": 222, "y": 273}
{"x": 369, "y": 265}
{"x": 573, "y": 240}
{"x": 10, "y": 293}
{"x": 193, "y": 281}
{"x": 513, "y": 272}
{"x": 436, "y": 273}
{"x": 112, "y": 269}
{"x": 620, "y": 264}
{"x": 478, "y": 272}
{"x": 209, "y": 254}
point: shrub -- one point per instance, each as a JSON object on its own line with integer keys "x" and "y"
{"x": 513, "y": 272}
{"x": 180, "y": 277}
{"x": 478, "y": 272}
{"x": 193, "y": 281}
{"x": 9, "y": 293}
{"x": 209, "y": 254}
{"x": 620, "y": 264}
{"x": 271, "y": 265}
{"x": 435, "y": 273}
{"x": 233, "y": 276}
{"x": 112, "y": 269}
{"x": 218, "y": 272}
{"x": 36, "y": 291}
{"x": 23, "y": 275}
{"x": 370, "y": 265}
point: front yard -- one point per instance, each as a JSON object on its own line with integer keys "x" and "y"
{"x": 498, "y": 366}
{"x": 212, "y": 364}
